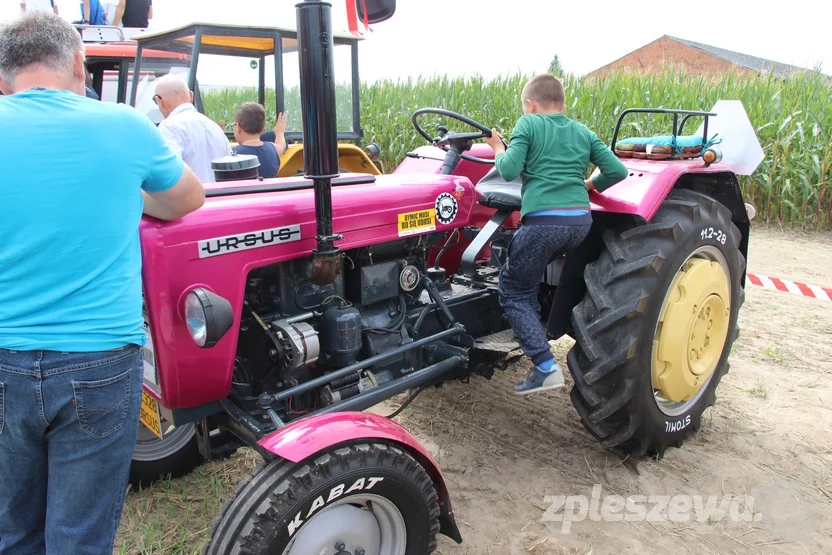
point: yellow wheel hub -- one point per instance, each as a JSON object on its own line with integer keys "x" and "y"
{"x": 692, "y": 329}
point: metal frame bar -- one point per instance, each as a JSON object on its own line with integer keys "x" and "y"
{"x": 393, "y": 387}
{"x": 261, "y": 78}
{"x": 279, "y": 95}
{"x": 469, "y": 257}
{"x": 98, "y": 82}
{"x": 356, "y": 96}
{"x": 676, "y": 114}
{"x": 123, "y": 76}
{"x": 457, "y": 329}
{"x": 168, "y": 41}
{"x": 686, "y": 118}
{"x": 195, "y": 51}
{"x": 137, "y": 68}
{"x": 342, "y": 135}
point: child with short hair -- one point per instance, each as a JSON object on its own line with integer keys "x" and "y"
{"x": 552, "y": 153}
{"x": 249, "y": 124}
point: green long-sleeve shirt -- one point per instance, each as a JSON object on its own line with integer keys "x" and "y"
{"x": 552, "y": 153}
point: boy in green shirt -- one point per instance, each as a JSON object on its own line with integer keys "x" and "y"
{"x": 552, "y": 153}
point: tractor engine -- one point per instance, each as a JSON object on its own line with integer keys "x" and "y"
{"x": 294, "y": 331}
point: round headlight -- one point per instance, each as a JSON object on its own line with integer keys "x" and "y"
{"x": 208, "y": 316}
{"x": 195, "y": 318}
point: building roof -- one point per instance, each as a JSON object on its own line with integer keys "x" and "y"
{"x": 743, "y": 60}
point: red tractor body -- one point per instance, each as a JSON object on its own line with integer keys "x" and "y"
{"x": 232, "y": 235}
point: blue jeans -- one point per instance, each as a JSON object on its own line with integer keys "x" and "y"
{"x": 529, "y": 253}
{"x": 68, "y": 427}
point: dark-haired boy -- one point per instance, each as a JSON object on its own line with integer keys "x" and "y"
{"x": 249, "y": 123}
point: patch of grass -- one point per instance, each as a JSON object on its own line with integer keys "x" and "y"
{"x": 776, "y": 354}
{"x": 174, "y": 517}
{"x": 759, "y": 391}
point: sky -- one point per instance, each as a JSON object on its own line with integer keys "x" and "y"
{"x": 492, "y": 37}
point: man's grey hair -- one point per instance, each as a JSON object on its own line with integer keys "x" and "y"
{"x": 172, "y": 83}
{"x": 40, "y": 38}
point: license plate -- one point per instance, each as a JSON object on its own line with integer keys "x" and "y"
{"x": 150, "y": 415}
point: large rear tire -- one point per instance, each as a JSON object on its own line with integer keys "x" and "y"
{"x": 655, "y": 329}
{"x": 371, "y": 498}
{"x": 154, "y": 459}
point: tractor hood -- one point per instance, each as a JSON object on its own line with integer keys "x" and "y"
{"x": 366, "y": 209}
{"x": 250, "y": 224}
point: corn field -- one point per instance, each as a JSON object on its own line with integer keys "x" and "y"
{"x": 792, "y": 117}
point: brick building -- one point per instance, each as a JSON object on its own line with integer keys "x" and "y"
{"x": 696, "y": 58}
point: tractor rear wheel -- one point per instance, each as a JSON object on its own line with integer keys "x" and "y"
{"x": 372, "y": 498}
{"x": 655, "y": 329}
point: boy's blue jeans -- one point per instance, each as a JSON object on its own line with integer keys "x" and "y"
{"x": 68, "y": 427}
{"x": 529, "y": 253}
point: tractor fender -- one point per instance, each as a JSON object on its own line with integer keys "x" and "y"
{"x": 305, "y": 437}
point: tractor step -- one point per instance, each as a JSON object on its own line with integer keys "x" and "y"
{"x": 502, "y": 342}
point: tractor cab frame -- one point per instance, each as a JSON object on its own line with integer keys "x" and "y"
{"x": 270, "y": 50}
{"x": 111, "y": 60}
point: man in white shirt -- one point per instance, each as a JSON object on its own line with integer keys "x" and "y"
{"x": 193, "y": 136}
{"x": 29, "y": 6}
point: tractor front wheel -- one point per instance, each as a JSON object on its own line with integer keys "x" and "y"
{"x": 372, "y": 499}
{"x": 655, "y": 329}
{"x": 175, "y": 455}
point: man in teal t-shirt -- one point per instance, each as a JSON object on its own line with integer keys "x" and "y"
{"x": 552, "y": 153}
{"x": 76, "y": 176}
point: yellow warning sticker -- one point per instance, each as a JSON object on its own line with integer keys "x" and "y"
{"x": 419, "y": 221}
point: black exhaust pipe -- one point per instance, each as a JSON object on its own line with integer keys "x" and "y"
{"x": 320, "y": 130}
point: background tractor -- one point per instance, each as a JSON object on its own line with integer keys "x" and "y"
{"x": 284, "y": 307}
{"x": 123, "y": 63}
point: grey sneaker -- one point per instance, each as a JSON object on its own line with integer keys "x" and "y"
{"x": 537, "y": 380}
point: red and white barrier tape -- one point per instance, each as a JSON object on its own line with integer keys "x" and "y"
{"x": 793, "y": 287}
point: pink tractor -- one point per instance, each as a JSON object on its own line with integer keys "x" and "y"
{"x": 285, "y": 307}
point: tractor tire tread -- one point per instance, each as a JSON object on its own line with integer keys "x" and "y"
{"x": 609, "y": 322}
{"x": 262, "y": 502}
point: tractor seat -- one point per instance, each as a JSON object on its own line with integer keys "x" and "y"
{"x": 495, "y": 192}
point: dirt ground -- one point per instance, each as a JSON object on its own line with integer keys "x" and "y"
{"x": 767, "y": 440}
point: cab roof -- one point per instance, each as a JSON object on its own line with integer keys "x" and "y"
{"x": 126, "y": 50}
{"x": 228, "y": 40}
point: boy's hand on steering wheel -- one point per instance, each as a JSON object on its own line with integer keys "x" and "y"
{"x": 495, "y": 141}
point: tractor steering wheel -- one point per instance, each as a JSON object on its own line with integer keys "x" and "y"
{"x": 459, "y": 142}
